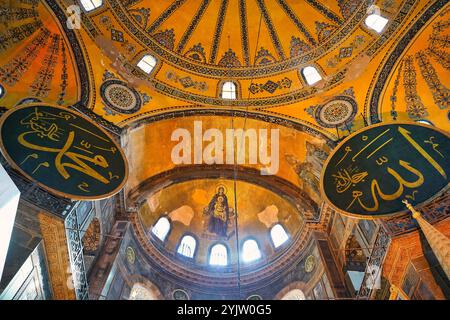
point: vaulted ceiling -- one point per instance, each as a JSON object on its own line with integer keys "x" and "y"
{"x": 262, "y": 45}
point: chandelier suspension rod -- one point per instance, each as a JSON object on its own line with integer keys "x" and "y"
{"x": 235, "y": 159}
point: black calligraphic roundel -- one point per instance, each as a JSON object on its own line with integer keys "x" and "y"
{"x": 373, "y": 170}
{"x": 63, "y": 151}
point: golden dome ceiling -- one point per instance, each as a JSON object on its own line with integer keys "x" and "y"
{"x": 261, "y": 44}
{"x": 239, "y": 35}
{"x": 193, "y": 59}
{"x": 102, "y": 55}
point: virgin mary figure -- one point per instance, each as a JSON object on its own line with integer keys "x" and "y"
{"x": 218, "y": 212}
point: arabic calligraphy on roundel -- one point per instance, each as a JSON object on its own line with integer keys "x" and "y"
{"x": 44, "y": 126}
{"x": 351, "y": 176}
{"x": 345, "y": 180}
{"x": 376, "y": 190}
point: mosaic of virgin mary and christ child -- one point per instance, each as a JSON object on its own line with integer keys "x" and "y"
{"x": 219, "y": 215}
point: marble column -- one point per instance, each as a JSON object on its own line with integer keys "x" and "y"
{"x": 439, "y": 243}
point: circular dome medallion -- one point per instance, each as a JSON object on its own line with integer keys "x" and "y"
{"x": 336, "y": 112}
{"x": 310, "y": 263}
{"x": 179, "y": 294}
{"x": 119, "y": 97}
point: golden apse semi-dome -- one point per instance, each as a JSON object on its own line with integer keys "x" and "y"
{"x": 182, "y": 225}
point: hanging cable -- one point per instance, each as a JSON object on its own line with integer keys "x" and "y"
{"x": 235, "y": 166}
{"x": 236, "y": 230}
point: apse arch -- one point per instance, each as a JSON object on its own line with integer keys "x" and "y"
{"x": 293, "y": 290}
{"x": 295, "y": 294}
{"x": 134, "y": 122}
{"x": 140, "y": 288}
{"x": 296, "y": 196}
{"x": 148, "y": 132}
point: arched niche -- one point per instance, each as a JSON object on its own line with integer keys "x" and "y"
{"x": 143, "y": 289}
{"x": 295, "y": 294}
{"x": 293, "y": 291}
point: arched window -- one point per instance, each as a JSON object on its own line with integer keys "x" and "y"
{"x": 278, "y": 235}
{"x": 295, "y": 294}
{"x": 229, "y": 90}
{"x": 90, "y": 5}
{"x": 250, "y": 251}
{"x": 147, "y": 63}
{"x": 140, "y": 292}
{"x": 187, "y": 246}
{"x": 376, "y": 22}
{"x": 311, "y": 75}
{"x": 161, "y": 228}
{"x": 218, "y": 255}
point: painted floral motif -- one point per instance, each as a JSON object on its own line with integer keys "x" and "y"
{"x": 414, "y": 106}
